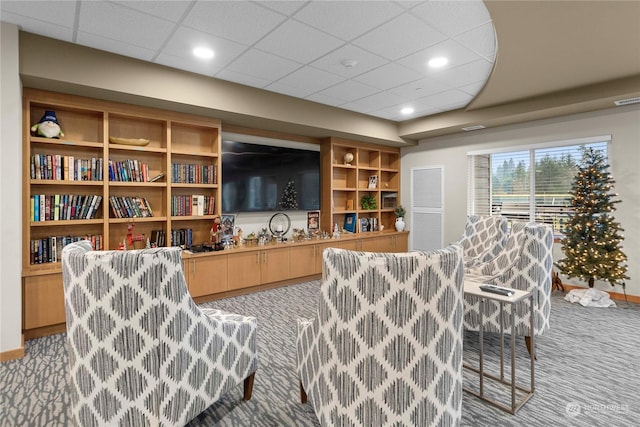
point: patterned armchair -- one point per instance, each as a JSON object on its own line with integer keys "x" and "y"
{"x": 483, "y": 239}
{"x": 525, "y": 264}
{"x": 386, "y": 345}
{"x": 141, "y": 353}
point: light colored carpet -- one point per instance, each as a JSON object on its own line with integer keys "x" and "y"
{"x": 586, "y": 372}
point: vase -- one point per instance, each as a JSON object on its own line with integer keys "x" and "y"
{"x": 399, "y": 223}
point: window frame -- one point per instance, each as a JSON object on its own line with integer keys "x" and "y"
{"x": 486, "y": 207}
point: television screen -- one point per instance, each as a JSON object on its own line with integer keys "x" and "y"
{"x": 259, "y": 177}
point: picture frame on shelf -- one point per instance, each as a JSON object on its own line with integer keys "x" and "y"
{"x": 227, "y": 225}
{"x": 373, "y": 182}
{"x": 364, "y": 225}
{"x": 313, "y": 220}
{"x": 350, "y": 222}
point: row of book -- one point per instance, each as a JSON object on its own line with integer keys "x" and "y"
{"x": 194, "y": 174}
{"x": 55, "y": 207}
{"x": 49, "y": 249}
{"x": 67, "y": 168}
{"x": 128, "y": 171}
{"x": 178, "y": 237}
{"x": 130, "y": 207}
{"x": 192, "y": 205}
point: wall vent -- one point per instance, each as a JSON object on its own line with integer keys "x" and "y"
{"x": 474, "y": 127}
{"x": 627, "y": 101}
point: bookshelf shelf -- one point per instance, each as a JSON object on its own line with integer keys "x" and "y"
{"x": 374, "y": 171}
{"x": 88, "y": 125}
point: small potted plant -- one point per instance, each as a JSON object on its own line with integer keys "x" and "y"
{"x": 368, "y": 202}
{"x": 400, "y": 213}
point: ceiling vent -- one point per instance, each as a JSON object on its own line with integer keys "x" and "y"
{"x": 627, "y": 101}
{"x": 474, "y": 127}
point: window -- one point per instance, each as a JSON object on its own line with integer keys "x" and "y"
{"x": 530, "y": 184}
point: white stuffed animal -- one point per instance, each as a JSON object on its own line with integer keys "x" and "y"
{"x": 48, "y": 126}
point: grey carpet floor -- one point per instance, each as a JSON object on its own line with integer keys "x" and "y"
{"x": 587, "y": 372}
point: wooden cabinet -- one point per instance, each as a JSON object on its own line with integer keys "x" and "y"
{"x": 120, "y": 175}
{"x": 43, "y": 297}
{"x": 206, "y": 275}
{"x": 373, "y": 173}
{"x": 253, "y": 268}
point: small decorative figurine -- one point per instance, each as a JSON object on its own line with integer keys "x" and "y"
{"x": 48, "y": 126}
{"x": 348, "y": 158}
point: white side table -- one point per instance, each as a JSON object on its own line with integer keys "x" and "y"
{"x": 473, "y": 288}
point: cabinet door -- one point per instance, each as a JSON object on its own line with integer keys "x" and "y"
{"x": 207, "y": 275}
{"x": 376, "y": 244}
{"x": 243, "y": 270}
{"x": 304, "y": 260}
{"x": 275, "y": 265}
{"x": 43, "y": 301}
{"x": 401, "y": 242}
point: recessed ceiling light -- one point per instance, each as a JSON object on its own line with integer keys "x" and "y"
{"x": 203, "y": 52}
{"x": 349, "y": 63}
{"x": 439, "y": 61}
{"x": 407, "y": 110}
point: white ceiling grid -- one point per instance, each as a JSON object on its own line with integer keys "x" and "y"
{"x": 295, "y": 48}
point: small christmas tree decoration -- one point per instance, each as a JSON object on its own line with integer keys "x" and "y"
{"x": 592, "y": 239}
{"x": 289, "y": 198}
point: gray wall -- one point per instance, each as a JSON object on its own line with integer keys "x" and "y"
{"x": 622, "y": 123}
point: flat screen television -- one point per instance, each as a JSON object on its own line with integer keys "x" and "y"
{"x": 258, "y": 177}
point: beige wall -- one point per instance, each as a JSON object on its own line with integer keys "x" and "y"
{"x": 622, "y": 123}
{"x": 10, "y": 191}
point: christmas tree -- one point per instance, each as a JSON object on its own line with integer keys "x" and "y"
{"x": 289, "y": 198}
{"x": 591, "y": 244}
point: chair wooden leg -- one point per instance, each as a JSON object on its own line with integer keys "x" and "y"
{"x": 527, "y": 341}
{"x": 248, "y": 386}
{"x": 303, "y": 394}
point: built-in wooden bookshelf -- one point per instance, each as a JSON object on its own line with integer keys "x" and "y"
{"x": 88, "y": 124}
{"x": 374, "y": 171}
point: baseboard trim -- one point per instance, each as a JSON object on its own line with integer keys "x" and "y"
{"x": 14, "y": 354}
{"x": 614, "y": 295}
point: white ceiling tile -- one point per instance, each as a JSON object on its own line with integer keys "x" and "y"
{"x": 184, "y": 40}
{"x": 347, "y": 19}
{"x": 125, "y": 25}
{"x": 382, "y": 100}
{"x": 449, "y": 99}
{"x": 34, "y": 26}
{"x": 453, "y": 17}
{"x": 481, "y": 40}
{"x": 298, "y": 42}
{"x": 41, "y": 12}
{"x": 193, "y": 65}
{"x": 244, "y": 79}
{"x": 309, "y": 80}
{"x": 466, "y": 74}
{"x": 239, "y": 21}
{"x": 169, "y": 10}
{"x": 263, "y": 65}
{"x": 114, "y": 46}
{"x": 287, "y": 7}
{"x": 420, "y": 88}
{"x": 452, "y": 50}
{"x": 414, "y": 34}
{"x": 388, "y": 76}
{"x": 332, "y": 62}
{"x": 349, "y": 90}
{"x": 325, "y": 99}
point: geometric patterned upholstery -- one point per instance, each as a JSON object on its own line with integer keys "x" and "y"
{"x": 525, "y": 265}
{"x": 141, "y": 353}
{"x": 483, "y": 238}
{"x": 386, "y": 345}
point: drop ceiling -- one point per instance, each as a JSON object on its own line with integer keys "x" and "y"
{"x": 370, "y": 56}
